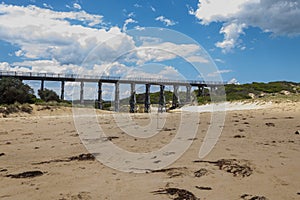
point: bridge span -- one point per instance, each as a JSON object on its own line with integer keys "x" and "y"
{"x": 117, "y": 81}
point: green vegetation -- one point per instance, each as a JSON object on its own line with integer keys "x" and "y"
{"x": 15, "y": 108}
{"x": 235, "y": 92}
{"x": 48, "y": 95}
{"x": 240, "y": 92}
{"x": 13, "y": 90}
{"x": 247, "y": 91}
{"x": 15, "y": 96}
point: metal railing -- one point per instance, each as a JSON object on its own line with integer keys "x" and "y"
{"x": 106, "y": 78}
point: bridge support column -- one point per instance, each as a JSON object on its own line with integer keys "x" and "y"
{"x": 188, "y": 94}
{"x": 62, "y": 94}
{"x": 81, "y": 92}
{"x": 42, "y": 85}
{"x": 99, "y": 100}
{"x": 147, "y": 99}
{"x": 200, "y": 91}
{"x": 213, "y": 90}
{"x": 162, "y": 101}
{"x": 132, "y": 100}
{"x": 175, "y": 99}
{"x": 117, "y": 97}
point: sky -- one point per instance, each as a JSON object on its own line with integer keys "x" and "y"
{"x": 242, "y": 40}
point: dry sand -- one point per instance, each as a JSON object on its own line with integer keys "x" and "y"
{"x": 257, "y": 156}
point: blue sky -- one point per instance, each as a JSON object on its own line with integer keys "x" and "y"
{"x": 249, "y": 40}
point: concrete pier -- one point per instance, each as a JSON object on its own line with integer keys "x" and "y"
{"x": 81, "y": 92}
{"x": 132, "y": 100}
{"x": 99, "y": 99}
{"x": 42, "y": 85}
{"x": 213, "y": 90}
{"x": 147, "y": 99}
{"x": 200, "y": 91}
{"x": 117, "y": 97}
{"x": 175, "y": 99}
{"x": 62, "y": 94}
{"x": 188, "y": 94}
{"x": 162, "y": 100}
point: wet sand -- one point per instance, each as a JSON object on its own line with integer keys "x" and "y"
{"x": 256, "y": 157}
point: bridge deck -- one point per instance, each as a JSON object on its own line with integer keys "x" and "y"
{"x": 104, "y": 79}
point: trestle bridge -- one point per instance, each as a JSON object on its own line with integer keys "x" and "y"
{"x": 63, "y": 78}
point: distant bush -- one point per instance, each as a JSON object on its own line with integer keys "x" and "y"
{"x": 272, "y": 87}
{"x": 26, "y": 108}
{"x": 15, "y": 108}
{"x": 14, "y": 90}
{"x": 48, "y": 95}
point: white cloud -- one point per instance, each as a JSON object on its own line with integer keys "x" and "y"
{"x": 77, "y": 6}
{"x": 279, "y": 17}
{"x": 197, "y": 59}
{"x": 219, "y": 72}
{"x": 137, "y": 5}
{"x": 130, "y": 15}
{"x": 153, "y": 9}
{"x": 47, "y": 6}
{"x": 139, "y": 28}
{"x": 219, "y": 60}
{"x": 231, "y": 33}
{"x": 166, "y": 21}
{"x": 219, "y": 10}
{"x": 233, "y": 81}
{"x": 4, "y": 66}
{"x": 48, "y": 35}
{"x": 19, "y": 53}
{"x": 49, "y": 42}
{"x": 44, "y": 66}
{"x": 190, "y": 10}
{"x": 128, "y": 21}
{"x": 164, "y": 51}
{"x": 169, "y": 72}
{"x": 111, "y": 69}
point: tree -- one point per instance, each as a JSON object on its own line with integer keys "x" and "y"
{"x": 48, "y": 95}
{"x": 14, "y": 90}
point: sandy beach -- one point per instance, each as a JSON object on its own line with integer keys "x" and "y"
{"x": 256, "y": 157}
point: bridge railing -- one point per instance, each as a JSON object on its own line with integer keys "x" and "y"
{"x": 107, "y": 78}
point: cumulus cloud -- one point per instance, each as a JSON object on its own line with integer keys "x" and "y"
{"x": 232, "y": 32}
{"x": 166, "y": 21}
{"x": 234, "y": 81}
{"x": 4, "y": 66}
{"x": 47, "y": 34}
{"x": 279, "y": 17}
{"x": 45, "y": 66}
{"x": 50, "y": 41}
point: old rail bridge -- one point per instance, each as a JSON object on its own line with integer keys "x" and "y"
{"x": 117, "y": 81}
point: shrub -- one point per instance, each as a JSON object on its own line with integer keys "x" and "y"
{"x": 26, "y": 108}
{"x": 15, "y": 108}
{"x": 14, "y": 90}
{"x": 48, "y": 95}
